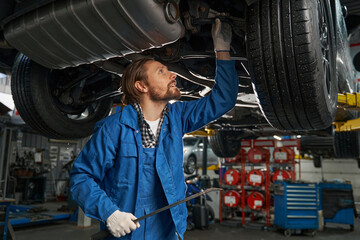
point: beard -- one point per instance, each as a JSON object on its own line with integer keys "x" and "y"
{"x": 171, "y": 94}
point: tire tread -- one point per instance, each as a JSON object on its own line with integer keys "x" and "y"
{"x": 285, "y": 66}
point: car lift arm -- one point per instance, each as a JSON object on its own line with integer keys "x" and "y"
{"x": 348, "y": 101}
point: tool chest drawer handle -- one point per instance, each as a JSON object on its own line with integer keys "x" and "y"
{"x": 298, "y": 216}
{"x": 301, "y": 191}
{"x": 302, "y": 208}
{"x": 302, "y": 195}
{"x": 307, "y": 204}
{"x": 301, "y": 199}
{"x": 306, "y": 187}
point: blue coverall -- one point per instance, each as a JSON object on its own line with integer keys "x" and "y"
{"x": 109, "y": 172}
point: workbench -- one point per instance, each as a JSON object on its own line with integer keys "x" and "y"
{"x": 7, "y": 226}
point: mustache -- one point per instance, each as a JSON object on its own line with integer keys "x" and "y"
{"x": 172, "y": 82}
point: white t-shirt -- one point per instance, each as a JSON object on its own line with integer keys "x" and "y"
{"x": 153, "y": 125}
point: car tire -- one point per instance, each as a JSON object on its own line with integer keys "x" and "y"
{"x": 317, "y": 161}
{"x": 211, "y": 213}
{"x": 317, "y": 145}
{"x": 293, "y": 63}
{"x": 225, "y": 143}
{"x": 30, "y": 86}
{"x": 190, "y": 165}
{"x": 347, "y": 144}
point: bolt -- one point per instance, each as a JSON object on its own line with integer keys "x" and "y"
{"x": 202, "y": 9}
{"x": 56, "y": 92}
{"x": 168, "y": 51}
{"x": 70, "y": 100}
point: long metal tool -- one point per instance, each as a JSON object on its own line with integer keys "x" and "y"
{"x": 105, "y": 233}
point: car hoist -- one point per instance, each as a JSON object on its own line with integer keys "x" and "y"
{"x": 348, "y": 101}
{"x": 202, "y": 133}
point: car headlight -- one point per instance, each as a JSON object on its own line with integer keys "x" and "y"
{"x": 185, "y": 150}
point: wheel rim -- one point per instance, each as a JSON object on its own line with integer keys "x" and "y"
{"x": 79, "y": 114}
{"x": 325, "y": 35}
{"x": 190, "y": 165}
{"x": 87, "y": 113}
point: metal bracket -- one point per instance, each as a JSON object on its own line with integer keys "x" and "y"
{"x": 206, "y": 133}
{"x": 348, "y": 101}
{"x": 350, "y": 125}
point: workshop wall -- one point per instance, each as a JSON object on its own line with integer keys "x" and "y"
{"x": 35, "y": 156}
{"x": 346, "y": 169}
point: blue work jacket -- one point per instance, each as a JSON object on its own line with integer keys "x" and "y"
{"x": 105, "y": 177}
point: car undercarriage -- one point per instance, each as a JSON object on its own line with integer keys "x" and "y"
{"x": 66, "y": 59}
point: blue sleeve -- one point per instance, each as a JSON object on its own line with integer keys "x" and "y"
{"x": 88, "y": 172}
{"x": 196, "y": 114}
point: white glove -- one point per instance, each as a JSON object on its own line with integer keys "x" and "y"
{"x": 121, "y": 223}
{"x": 221, "y": 34}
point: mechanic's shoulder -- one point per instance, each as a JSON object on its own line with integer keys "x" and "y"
{"x": 109, "y": 123}
{"x": 175, "y": 107}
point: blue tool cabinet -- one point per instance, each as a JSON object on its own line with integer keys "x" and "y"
{"x": 296, "y": 207}
{"x": 337, "y": 203}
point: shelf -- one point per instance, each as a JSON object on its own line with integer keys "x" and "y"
{"x": 260, "y": 212}
{"x": 281, "y": 164}
{"x": 243, "y": 166}
{"x": 247, "y": 164}
{"x": 232, "y": 187}
{"x": 249, "y": 187}
{"x": 246, "y": 187}
{"x": 232, "y": 164}
{"x": 255, "y": 164}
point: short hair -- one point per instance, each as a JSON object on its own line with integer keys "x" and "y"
{"x": 135, "y": 71}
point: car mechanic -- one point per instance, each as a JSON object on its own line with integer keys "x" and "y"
{"x": 132, "y": 165}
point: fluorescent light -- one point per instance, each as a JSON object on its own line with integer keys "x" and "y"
{"x": 277, "y": 137}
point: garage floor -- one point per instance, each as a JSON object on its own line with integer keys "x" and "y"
{"x": 61, "y": 230}
{"x": 66, "y": 230}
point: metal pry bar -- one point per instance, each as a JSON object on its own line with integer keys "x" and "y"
{"x": 105, "y": 233}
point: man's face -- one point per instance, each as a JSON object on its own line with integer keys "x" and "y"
{"x": 161, "y": 82}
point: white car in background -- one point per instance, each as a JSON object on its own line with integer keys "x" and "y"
{"x": 193, "y": 154}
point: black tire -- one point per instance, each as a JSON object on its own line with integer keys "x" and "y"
{"x": 190, "y": 165}
{"x": 211, "y": 213}
{"x": 293, "y": 62}
{"x": 317, "y": 145}
{"x": 317, "y": 161}
{"x": 287, "y": 232}
{"x": 190, "y": 225}
{"x": 31, "y": 90}
{"x": 347, "y": 144}
{"x": 225, "y": 143}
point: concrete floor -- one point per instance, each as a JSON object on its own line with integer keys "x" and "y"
{"x": 67, "y": 230}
